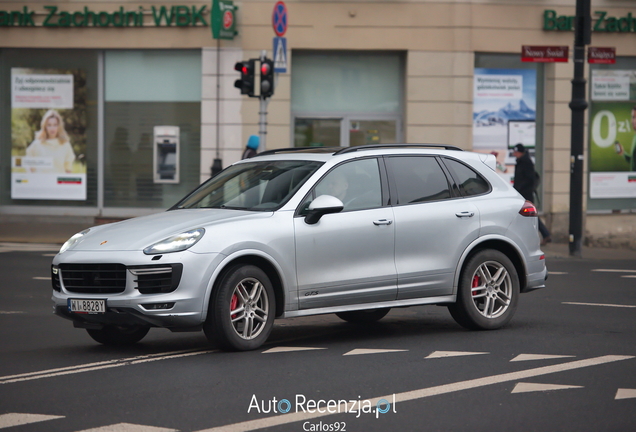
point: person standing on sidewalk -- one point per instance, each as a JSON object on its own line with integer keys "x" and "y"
{"x": 525, "y": 183}
{"x": 251, "y": 149}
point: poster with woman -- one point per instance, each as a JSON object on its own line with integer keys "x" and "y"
{"x": 48, "y": 134}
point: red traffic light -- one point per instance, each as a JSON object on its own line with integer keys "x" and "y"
{"x": 265, "y": 68}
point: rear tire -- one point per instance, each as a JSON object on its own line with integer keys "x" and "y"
{"x": 488, "y": 292}
{"x": 242, "y": 310}
{"x": 363, "y": 316}
{"x": 118, "y": 336}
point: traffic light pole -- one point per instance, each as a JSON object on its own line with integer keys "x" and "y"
{"x": 262, "y": 115}
{"x": 578, "y": 105}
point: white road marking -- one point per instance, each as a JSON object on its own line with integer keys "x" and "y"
{"x": 444, "y": 354}
{"x": 361, "y": 351}
{"x": 614, "y": 271}
{"x": 289, "y": 349}
{"x": 48, "y": 278}
{"x": 526, "y": 357}
{"x": 100, "y": 365}
{"x": 17, "y": 419}
{"x": 625, "y": 394}
{"x": 629, "y": 276}
{"x": 600, "y": 304}
{"x": 294, "y": 417}
{"x": 530, "y": 387}
{"x": 10, "y": 312}
{"x": 557, "y": 273}
{"x": 128, "y": 427}
{"x": 28, "y": 247}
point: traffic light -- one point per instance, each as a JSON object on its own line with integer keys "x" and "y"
{"x": 267, "y": 78}
{"x": 246, "y": 83}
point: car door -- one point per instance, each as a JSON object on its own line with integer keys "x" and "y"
{"x": 433, "y": 226}
{"x": 347, "y": 257}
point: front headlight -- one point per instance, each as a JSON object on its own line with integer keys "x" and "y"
{"x": 177, "y": 243}
{"x": 73, "y": 240}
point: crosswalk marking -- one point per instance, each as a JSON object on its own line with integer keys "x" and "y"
{"x": 18, "y": 419}
{"x": 443, "y": 354}
{"x": 128, "y": 427}
{"x": 526, "y": 357}
{"x": 625, "y": 393}
{"x": 371, "y": 351}
{"x": 613, "y": 271}
{"x": 290, "y": 349}
{"x": 600, "y": 304}
{"x": 530, "y": 387}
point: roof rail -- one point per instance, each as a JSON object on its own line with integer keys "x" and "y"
{"x": 388, "y": 146}
{"x": 298, "y": 149}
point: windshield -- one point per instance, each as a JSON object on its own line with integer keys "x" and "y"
{"x": 251, "y": 186}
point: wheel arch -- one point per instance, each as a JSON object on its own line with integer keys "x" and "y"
{"x": 265, "y": 264}
{"x": 505, "y": 247}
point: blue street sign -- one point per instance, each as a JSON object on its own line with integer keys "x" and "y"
{"x": 280, "y": 54}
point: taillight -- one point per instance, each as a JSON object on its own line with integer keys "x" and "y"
{"x": 528, "y": 209}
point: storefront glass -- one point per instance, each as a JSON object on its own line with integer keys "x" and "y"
{"x": 143, "y": 90}
{"x": 612, "y": 139}
{"x": 508, "y": 109}
{"x": 35, "y": 168}
{"x": 343, "y": 99}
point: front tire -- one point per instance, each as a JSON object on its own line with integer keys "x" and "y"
{"x": 118, "y": 336}
{"x": 488, "y": 292}
{"x": 242, "y": 310}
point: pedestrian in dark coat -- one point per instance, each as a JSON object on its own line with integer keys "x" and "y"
{"x": 525, "y": 182}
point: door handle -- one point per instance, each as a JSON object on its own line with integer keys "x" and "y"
{"x": 382, "y": 222}
{"x": 465, "y": 214}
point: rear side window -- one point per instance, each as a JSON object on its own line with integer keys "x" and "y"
{"x": 469, "y": 181}
{"x": 418, "y": 179}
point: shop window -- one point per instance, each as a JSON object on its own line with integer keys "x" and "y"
{"x": 612, "y": 139}
{"x": 62, "y": 172}
{"x": 345, "y": 99}
{"x": 508, "y": 109}
{"x": 144, "y": 89}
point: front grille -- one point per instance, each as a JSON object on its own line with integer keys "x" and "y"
{"x": 157, "y": 279}
{"x": 94, "y": 278}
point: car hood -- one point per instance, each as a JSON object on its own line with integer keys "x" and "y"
{"x": 141, "y": 232}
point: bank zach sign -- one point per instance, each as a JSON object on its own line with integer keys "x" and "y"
{"x": 602, "y": 21}
{"x": 142, "y": 16}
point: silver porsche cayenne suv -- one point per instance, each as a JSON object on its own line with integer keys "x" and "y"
{"x": 293, "y": 232}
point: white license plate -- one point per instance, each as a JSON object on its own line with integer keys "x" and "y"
{"x": 87, "y": 306}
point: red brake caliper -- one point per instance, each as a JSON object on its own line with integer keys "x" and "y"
{"x": 475, "y": 283}
{"x": 233, "y": 304}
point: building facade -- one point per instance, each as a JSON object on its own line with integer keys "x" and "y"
{"x": 148, "y": 101}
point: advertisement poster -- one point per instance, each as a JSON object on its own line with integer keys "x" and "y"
{"x": 504, "y": 113}
{"x": 613, "y": 150}
{"x": 48, "y": 134}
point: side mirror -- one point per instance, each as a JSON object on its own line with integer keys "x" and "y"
{"x": 324, "y": 204}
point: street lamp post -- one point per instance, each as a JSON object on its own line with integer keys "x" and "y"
{"x": 578, "y": 105}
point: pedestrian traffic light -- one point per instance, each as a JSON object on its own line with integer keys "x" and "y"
{"x": 267, "y": 78}
{"x": 246, "y": 83}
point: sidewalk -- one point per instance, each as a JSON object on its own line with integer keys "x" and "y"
{"x": 58, "y": 232}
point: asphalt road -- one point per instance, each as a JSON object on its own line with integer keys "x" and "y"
{"x": 567, "y": 362}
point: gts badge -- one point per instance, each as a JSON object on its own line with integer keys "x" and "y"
{"x": 311, "y": 293}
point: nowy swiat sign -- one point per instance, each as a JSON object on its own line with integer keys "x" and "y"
{"x": 153, "y": 16}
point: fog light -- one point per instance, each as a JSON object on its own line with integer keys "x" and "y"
{"x": 158, "y": 306}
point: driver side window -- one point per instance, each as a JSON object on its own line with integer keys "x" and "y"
{"x": 357, "y": 184}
